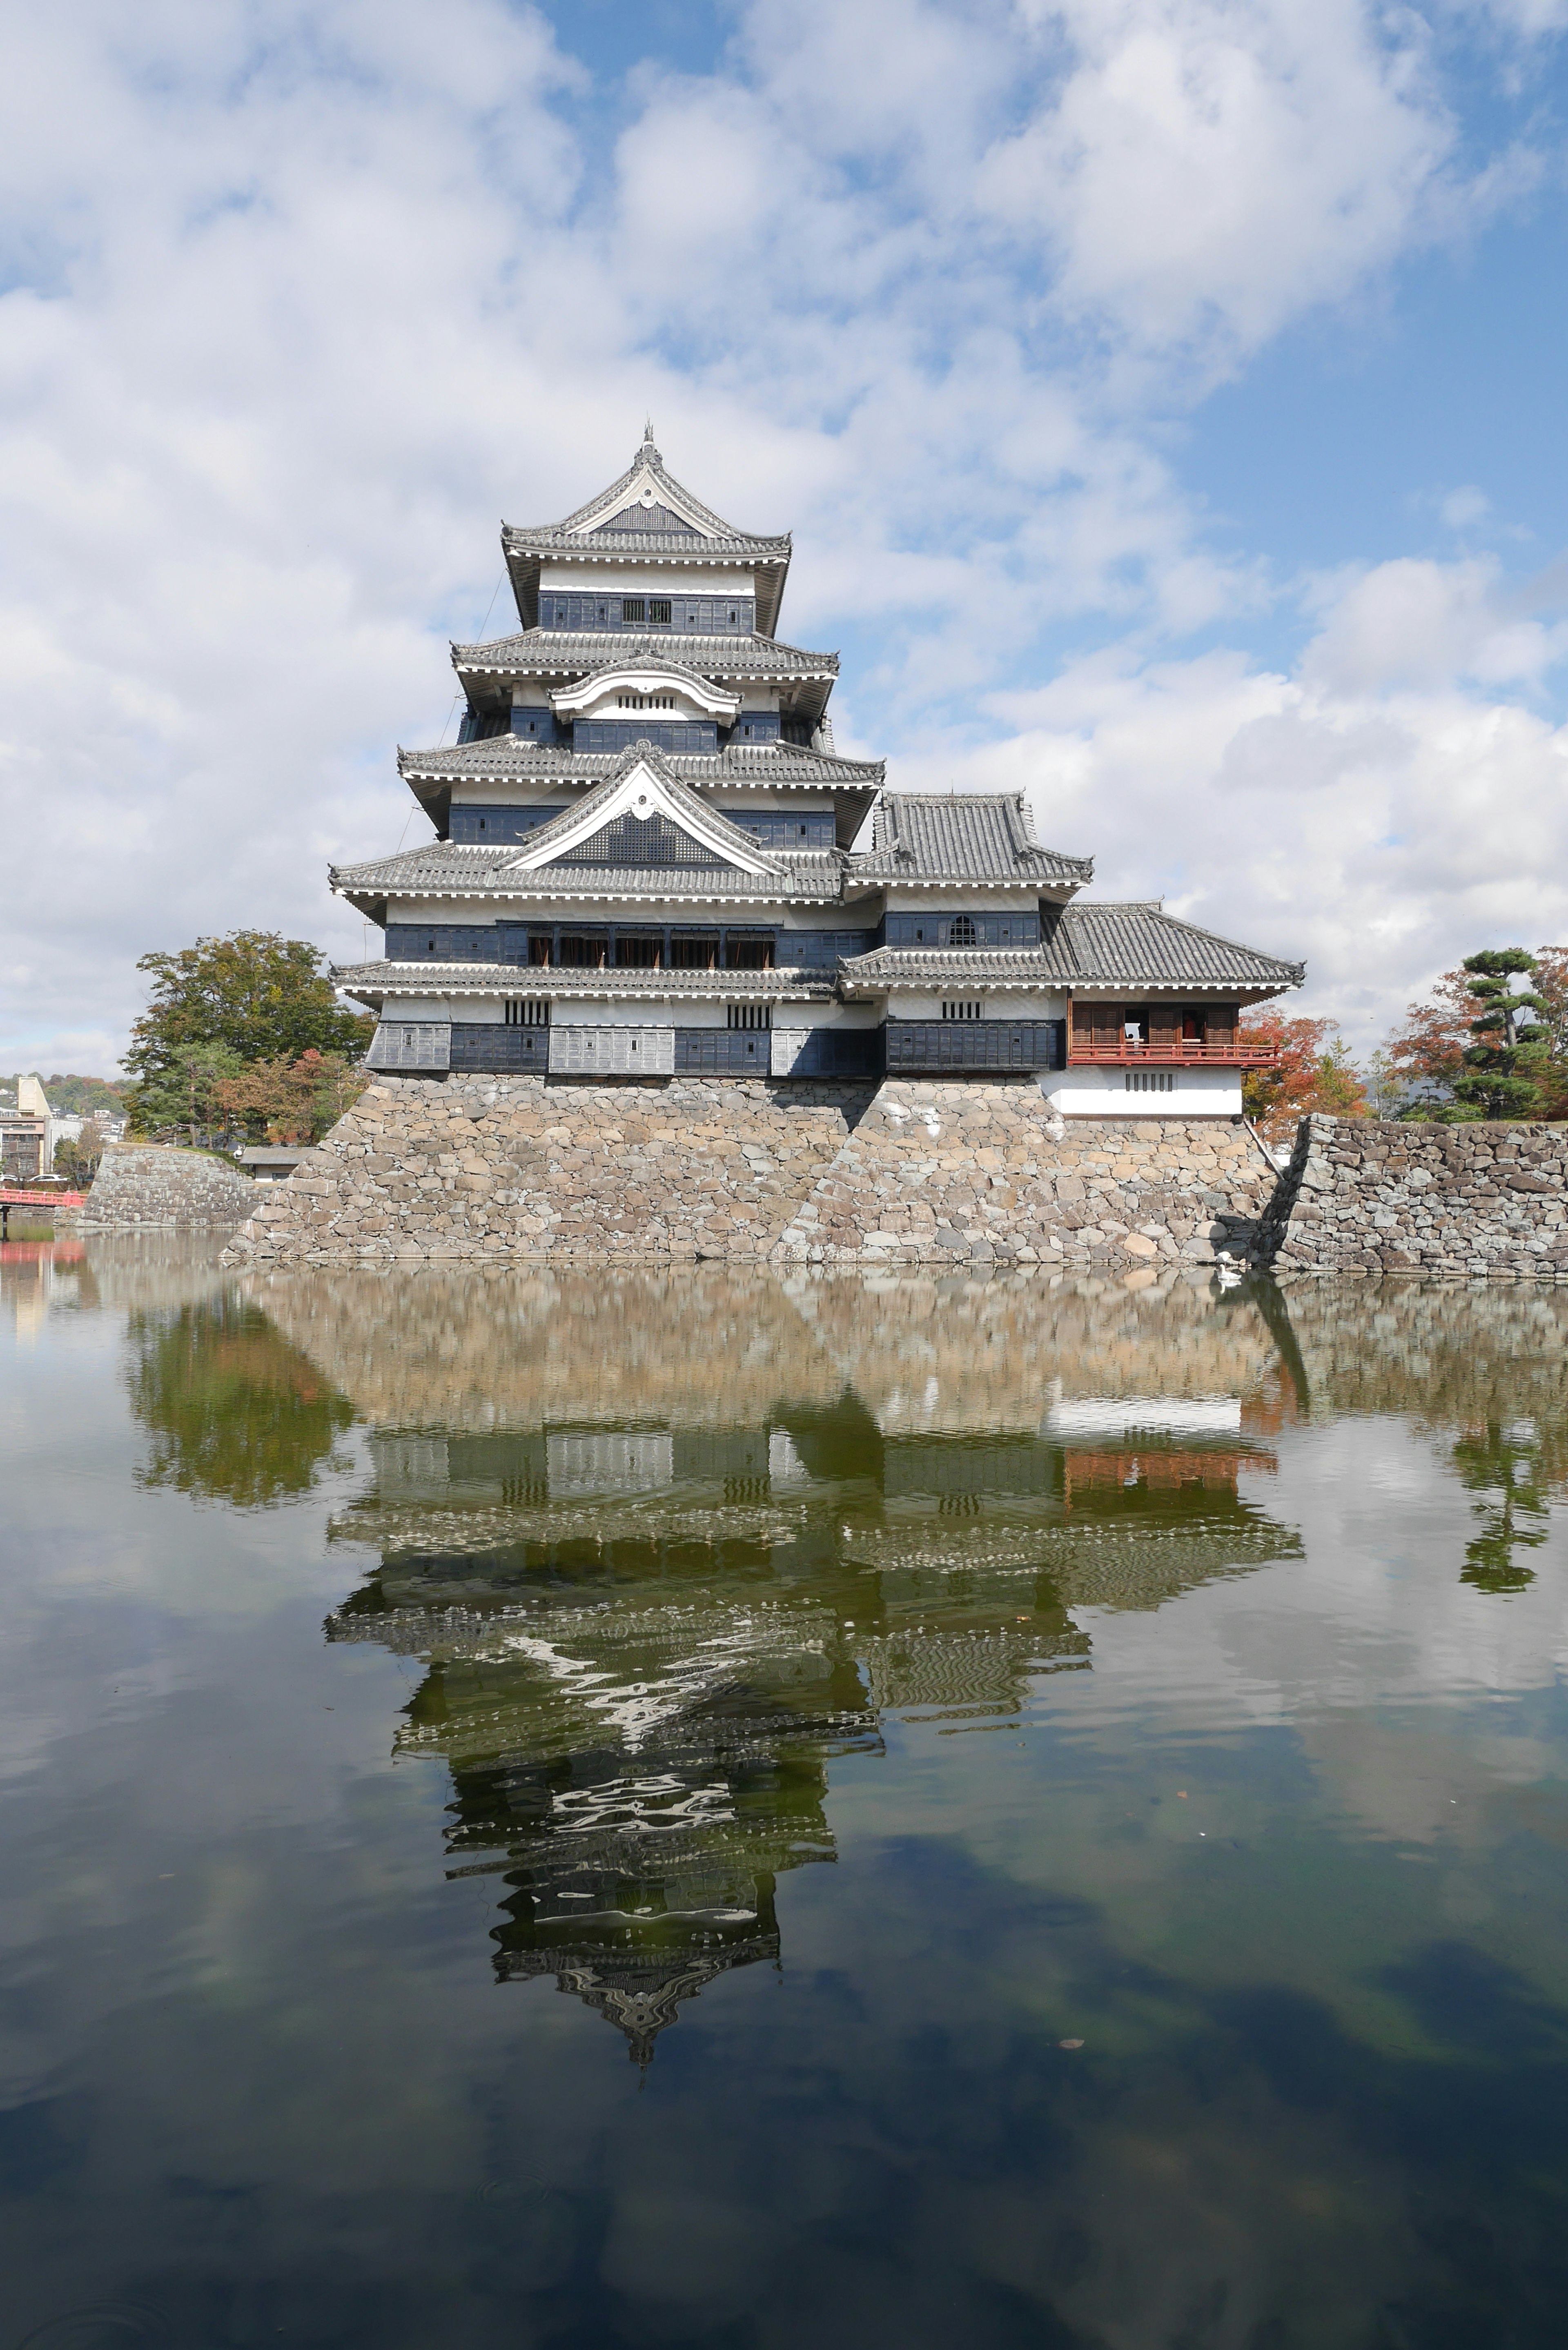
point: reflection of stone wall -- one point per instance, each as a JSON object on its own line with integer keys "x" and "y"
{"x": 961, "y": 1354}
{"x": 976, "y": 1175}
{"x": 144, "y": 1185}
{"x": 711, "y": 1345}
{"x": 1454, "y": 1356}
{"x": 1364, "y": 1196}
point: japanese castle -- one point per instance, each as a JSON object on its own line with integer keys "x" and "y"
{"x": 650, "y": 859}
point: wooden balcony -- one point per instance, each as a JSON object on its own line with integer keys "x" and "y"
{"x": 1184, "y": 1053}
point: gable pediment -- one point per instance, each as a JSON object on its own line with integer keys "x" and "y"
{"x": 642, "y": 818}
{"x": 649, "y": 515}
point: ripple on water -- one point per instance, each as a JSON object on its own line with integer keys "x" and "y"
{"x": 101, "y": 2325}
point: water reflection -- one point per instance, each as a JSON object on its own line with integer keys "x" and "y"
{"x": 235, "y": 1413}
{"x": 1089, "y": 1763}
{"x": 653, "y": 1608}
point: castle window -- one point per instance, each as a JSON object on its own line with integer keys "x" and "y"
{"x": 528, "y": 1012}
{"x": 750, "y": 1016}
{"x": 659, "y": 611}
{"x": 960, "y": 1011}
{"x": 960, "y": 931}
{"x": 632, "y": 608}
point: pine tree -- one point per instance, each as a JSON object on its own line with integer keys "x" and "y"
{"x": 1503, "y": 1068}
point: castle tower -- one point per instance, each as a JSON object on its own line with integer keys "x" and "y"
{"x": 651, "y": 860}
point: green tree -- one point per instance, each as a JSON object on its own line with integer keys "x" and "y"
{"x": 1504, "y": 1067}
{"x": 187, "y": 1092}
{"x": 261, "y": 997}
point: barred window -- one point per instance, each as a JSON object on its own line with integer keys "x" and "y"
{"x": 970, "y": 1011}
{"x": 633, "y": 608}
{"x": 659, "y": 611}
{"x": 960, "y": 931}
{"x": 750, "y": 1016}
{"x": 528, "y": 1012}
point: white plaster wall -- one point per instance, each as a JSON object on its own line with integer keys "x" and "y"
{"x": 586, "y": 577}
{"x": 936, "y": 898}
{"x": 1012, "y": 1004}
{"x": 826, "y": 1015}
{"x": 1103, "y": 1093}
{"x": 558, "y": 790}
{"x": 783, "y": 799}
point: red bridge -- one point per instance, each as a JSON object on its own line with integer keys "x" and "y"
{"x": 10, "y": 1197}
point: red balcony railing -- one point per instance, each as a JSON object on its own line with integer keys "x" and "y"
{"x": 1252, "y": 1053}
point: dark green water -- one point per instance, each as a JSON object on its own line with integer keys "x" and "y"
{"x": 598, "y": 1810}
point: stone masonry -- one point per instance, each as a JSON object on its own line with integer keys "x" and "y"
{"x": 1365, "y": 1197}
{"x": 147, "y": 1187}
{"x": 979, "y": 1174}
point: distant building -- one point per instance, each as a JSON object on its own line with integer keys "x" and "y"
{"x": 27, "y": 1135}
{"x": 652, "y": 859}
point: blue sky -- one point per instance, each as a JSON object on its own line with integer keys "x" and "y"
{"x": 1164, "y": 395}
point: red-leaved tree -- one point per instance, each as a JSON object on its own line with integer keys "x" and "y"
{"x": 1313, "y": 1072}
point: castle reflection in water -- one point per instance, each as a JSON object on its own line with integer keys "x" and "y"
{"x": 665, "y": 1548}
{"x": 665, "y": 1545}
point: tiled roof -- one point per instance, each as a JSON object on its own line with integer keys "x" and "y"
{"x": 1141, "y": 945}
{"x": 444, "y": 869}
{"x": 962, "y": 836}
{"x": 532, "y": 651}
{"x": 513, "y": 759}
{"x": 919, "y": 967}
{"x": 720, "y": 538}
{"x": 1085, "y": 946}
{"x": 370, "y": 981}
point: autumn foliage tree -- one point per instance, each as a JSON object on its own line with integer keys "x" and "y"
{"x": 1312, "y": 1071}
{"x": 291, "y": 1101}
{"x": 1479, "y": 1047}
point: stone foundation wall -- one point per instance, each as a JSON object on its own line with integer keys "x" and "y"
{"x": 978, "y": 1174}
{"x": 1370, "y": 1197}
{"x": 146, "y": 1187}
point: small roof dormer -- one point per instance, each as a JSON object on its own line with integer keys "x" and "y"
{"x": 646, "y": 518}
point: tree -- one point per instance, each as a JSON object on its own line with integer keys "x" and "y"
{"x": 77, "y": 1161}
{"x": 257, "y": 994}
{"x": 187, "y": 1092}
{"x": 1430, "y": 1052}
{"x": 1503, "y": 1065}
{"x": 291, "y": 1101}
{"x": 1313, "y": 1071}
{"x": 1551, "y": 997}
{"x": 1475, "y": 1054}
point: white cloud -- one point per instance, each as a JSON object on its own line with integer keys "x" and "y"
{"x": 291, "y": 308}
{"x": 1370, "y": 813}
{"x": 1204, "y": 171}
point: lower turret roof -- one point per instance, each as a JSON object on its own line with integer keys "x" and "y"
{"x": 962, "y": 836}
{"x": 513, "y": 759}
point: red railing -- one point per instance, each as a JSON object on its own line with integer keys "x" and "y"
{"x": 1183, "y": 1054}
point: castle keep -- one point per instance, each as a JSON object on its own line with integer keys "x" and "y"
{"x": 650, "y": 861}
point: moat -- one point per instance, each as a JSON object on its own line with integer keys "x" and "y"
{"x": 709, "y": 1807}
